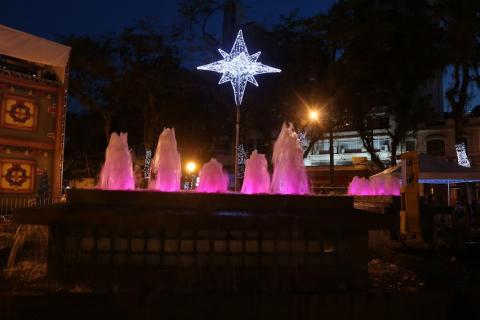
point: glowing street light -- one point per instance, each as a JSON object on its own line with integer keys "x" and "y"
{"x": 314, "y": 115}
{"x": 190, "y": 177}
{"x": 191, "y": 167}
{"x": 318, "y": 119}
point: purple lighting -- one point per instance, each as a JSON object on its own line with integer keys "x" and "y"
{"x": 212, "y": 178}
{"x": 257, "y": 178}
{"x": 375, "y": 186}
{"x": 166, "y": 167}
{"x": 117, "y": 171}
{"x": 289, "y": 176}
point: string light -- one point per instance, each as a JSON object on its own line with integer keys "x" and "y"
{"x": 148, "y": 160}
{"x": 242, "y": 160}
{"x": 302, "y": 138}
{"x": 238, "y": 67}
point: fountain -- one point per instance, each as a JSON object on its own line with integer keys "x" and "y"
{"x": 382, "y": 185}
{"x": 220, "y": 240}
{"x": 117, "y": 171}
{"x": 28, "y": 255}
{"x": 289, "y": 176}
{"x": 257, "y": 178}
{"x": 166, "y": 167}
{"x": 212, "y": 178}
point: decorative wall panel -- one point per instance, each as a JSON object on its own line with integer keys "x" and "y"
{"x": 17, "y": 176}
{"x": 19, "y": 113}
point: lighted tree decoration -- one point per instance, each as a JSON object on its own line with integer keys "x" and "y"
{"x": 242, "y": 159}
{"x": 462, "y": 157}
{"x": 302, "y": 138}
{"x": 238, "y": 67}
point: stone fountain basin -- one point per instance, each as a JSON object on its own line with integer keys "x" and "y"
{"x": 207, "y": 241}
{"x": 148, "y": 208}
{"x": 211, "y": 201}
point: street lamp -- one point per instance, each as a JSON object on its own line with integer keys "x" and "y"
{"x": 314, "y": 115}
{"x": 190, "y": 168}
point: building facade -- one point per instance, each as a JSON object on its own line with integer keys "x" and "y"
{"x": 436, "y": 138}
{"x": 32, "y": 118}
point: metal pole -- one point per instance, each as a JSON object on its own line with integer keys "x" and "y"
{"x": 448, "y": 192}
{"x": 332, "y": 156}
{"x": 237, "y": 142}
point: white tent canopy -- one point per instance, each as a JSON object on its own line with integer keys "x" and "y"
{"x": 437, "y": 171}
{"x": 31, "y": 48}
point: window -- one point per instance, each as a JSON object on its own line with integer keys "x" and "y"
{"x": 321, "y": 147}
{"x": 350, "y": 145}
{"x": 436, "y": 147}
{"x": 381, "y": 143}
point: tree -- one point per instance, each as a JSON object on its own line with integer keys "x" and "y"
{"x": 309, "y": 63}
{"x": 84, "y": 145}
{"x": 460, "y": 23}
{"x": 379, "y": 68}
{"x": 133, "y": 81}
{"x": 91, "y": 72}
{"x": 196, "y": 19}
{"x": 148, "y": 67}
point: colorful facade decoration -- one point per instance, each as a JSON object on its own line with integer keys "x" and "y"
{"x": 33, "y": 89}
{"x": 19, "y": 113}
{"x": 28, "y": 134}
{"x": 31, "y": 137}
{"x": 30, "y": 126}
{"x": 17, "y": 176}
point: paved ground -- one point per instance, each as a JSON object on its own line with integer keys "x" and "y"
{"x": 392, "y": 267}
{"x": 404, "y": 283}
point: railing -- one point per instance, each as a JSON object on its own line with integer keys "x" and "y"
{"x": 9, "y": 204}
{"x": 326, "y": 190}
{"x": 24, "y": 76}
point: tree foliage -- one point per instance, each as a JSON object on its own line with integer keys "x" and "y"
{"x": 133, "y": 81}
{"x": 356, "y": 61}
{"x": 459, "y": 21}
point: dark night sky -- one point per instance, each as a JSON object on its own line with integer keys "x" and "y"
{"x": 52, "y": 18}
{"x": 48, "y": 18}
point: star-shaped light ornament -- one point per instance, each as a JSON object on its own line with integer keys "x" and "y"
{"x": 239, "y": 67}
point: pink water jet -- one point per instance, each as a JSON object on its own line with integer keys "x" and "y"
{"x": 256, "y": 178}
{"x": 212, "y": 178}
{"x": 166, "y": 167}
{"x": 289, "y": 176}
{"x": 383, "y": 185}
{"x": 117, "y": 171}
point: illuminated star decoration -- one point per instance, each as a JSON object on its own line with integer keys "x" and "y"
{"x": 239, "y": 67}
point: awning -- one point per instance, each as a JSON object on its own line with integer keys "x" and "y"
{"x": 437, "y": 171}
{"x": 24, "y": 46}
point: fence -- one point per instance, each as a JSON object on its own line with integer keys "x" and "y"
{"x": 9, "y": 204}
